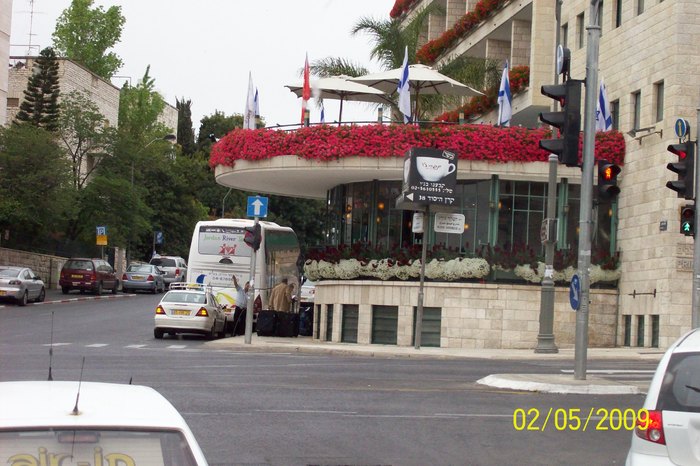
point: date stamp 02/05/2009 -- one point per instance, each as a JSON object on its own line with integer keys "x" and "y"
{"x": 578, "y": 420}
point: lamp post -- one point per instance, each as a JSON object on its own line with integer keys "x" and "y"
{"x": 172, "y": 139}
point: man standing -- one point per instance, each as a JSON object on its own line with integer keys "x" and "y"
{"x": 281, "y": 296}
{"x": 238, "y": 325}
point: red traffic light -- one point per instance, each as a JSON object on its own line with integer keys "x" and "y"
{"x": 253, "y": 236}
{"x": 607, "y": 180}
{"x": 679, "y": 149}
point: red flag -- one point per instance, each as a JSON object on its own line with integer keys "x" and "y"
{"x": 306, "y": 95}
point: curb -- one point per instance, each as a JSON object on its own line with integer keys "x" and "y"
{"x": 72, "y": 300}
{"x": 555, "y": 383}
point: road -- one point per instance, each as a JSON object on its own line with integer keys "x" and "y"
{"x": 297, "y": 409}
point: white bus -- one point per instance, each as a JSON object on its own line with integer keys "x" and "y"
{"x": 218, "y": 251}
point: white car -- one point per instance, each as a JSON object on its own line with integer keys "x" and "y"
{"x": 88, "y": 423}
{"x": 308, "y": 292}
{"x": 670, "y": 434}
{"x": 189, "y": 308}
{"x": 21, "y": 284}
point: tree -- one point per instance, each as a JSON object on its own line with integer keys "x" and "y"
{"x": 185, "y": 132}
{"x": 139, "y": 109}
{"x": 40, "y": 105}
{"x": 34, "y": 186}
{"x": 85, "y": 136}
{"x": 84, "y": 34}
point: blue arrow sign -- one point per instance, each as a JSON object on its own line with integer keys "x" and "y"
{"x": 257, "y": 206}
{"x": 575, "y": 293}
{"x": 159, "y": 237}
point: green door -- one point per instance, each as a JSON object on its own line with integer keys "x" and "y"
{"x": 430, "y": 330}
{"x": 349, "y": 329}
{"x": 385, "y": 324}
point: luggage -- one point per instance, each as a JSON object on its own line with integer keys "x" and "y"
{"x": 267, "y": 323}
{"x": 306, "y": 321}
{"x": 287, "y": 324}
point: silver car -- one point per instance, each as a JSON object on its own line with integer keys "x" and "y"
{"x": 175, "y": 268}
{"x": 189, "y": 308}
{"x": 668, "y": 425}
{"x": 143, "y": 277}
{"x": 21, "y": 284}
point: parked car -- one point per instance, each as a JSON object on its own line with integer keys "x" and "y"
{"x": 45, "y": 422}
{"x": 144, "y": 277}
{"x": 93, "y": 275}
{"x": 175, "y": 268}
{"x": 308, "y": 292}
{"x": 670, "y": 432}
{"x": 21, "y": 284}
{"x": 189, "y": 308}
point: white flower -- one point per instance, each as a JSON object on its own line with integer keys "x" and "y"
{"x": 311, "y": 270}
{"x": 599, "y": 274}
{"x": 347, "y": 269}
{"x": 326, "y": 270}
{"x": 527, "y": 273}
{"x": 476, "y": 267}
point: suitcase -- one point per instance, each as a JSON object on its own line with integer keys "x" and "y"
{"x": 267, "y": 323}
{"x": 287, "y": 324}
{"x": 306, "y": 321}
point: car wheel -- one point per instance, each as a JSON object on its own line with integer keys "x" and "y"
{"x": 158, "y": 333}
{"x": 155, "y": 289}
{"x": 42, "y": 295}
{"x": 211, "y": 333}
{"x": 115, "y": 289}
{"x": 24, "y": 299}
{"x": 99, "y": 289}
{"x": 125, "y": 290}
{"x": 65, "y": 289}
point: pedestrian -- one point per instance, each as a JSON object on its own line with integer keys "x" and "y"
{"x": 240, "y": 307}
{"x": 281, "y": 296}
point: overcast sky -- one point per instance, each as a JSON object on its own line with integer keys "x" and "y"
{"x": 204, "y": 50}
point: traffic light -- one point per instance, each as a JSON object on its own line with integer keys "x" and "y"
{"x": 568, "y": 120}
{"x": 607, "y": 180}
{"x": 688, "y": 220}
{"x": 253, "y": 236}
{"x": 685, "y": 168}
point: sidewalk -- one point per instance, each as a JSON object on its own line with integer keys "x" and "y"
{"x": 549, "y": 383}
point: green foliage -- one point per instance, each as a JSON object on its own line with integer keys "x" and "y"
{"x": 139, "y": 108}
{"x": 34, "y": 187}
{"x": 86, "y": 138}
{"x": 216, "y": 125}
{"x": 40, "y": 105}
{"x": 84, "y": 34}
{"x": 185, "y": 132}
{"x": 336, "y": 66}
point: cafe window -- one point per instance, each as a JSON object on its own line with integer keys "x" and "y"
{"x": 521, "y": 209}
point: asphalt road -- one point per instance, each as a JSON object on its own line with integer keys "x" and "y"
{"x": 297, "y": 409}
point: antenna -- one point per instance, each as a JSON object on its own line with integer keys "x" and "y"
{"x": 51, "y": 348}
{"x": 80, "y": 382}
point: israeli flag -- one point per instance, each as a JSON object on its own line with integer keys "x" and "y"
{"x": 505, "y": 99}
{"x": 249, "y": 113}
{"x": 404, "y": 90}
{"x": 256, "y": 103}
{"x": 603, "y": 118}
{"x": 323, "y": 113}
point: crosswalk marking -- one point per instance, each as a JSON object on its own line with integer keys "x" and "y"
{"x": 135, "y": 346}
{"x": 56, "y": 344}
{"x": 613, "y": 371}
{"x": 97, "y": 345}
{"x": 177, "y": 346}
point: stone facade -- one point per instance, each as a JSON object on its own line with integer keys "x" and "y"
{"x": 473, "y": 315}
{"x": 72, "y": 77}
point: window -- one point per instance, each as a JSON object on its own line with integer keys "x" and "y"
{"x": 615, "y": 114}
{"x": 679, "y": 386}
{"x": 655, "y": 331}
{"x": 12, "y": 102}
{"x": 640, "y": 7}
{"x": 580, "y": 31}
{"x": 618, "y": 13}
{"x": 640, "y": 331}
{"x": 659, "y": 100}
{"x": 628, "y": 330}
{"x": 564, "y": 35}
{"x": 637, "y": 109}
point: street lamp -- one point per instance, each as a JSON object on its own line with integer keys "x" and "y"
{"x": 172, "y": 139}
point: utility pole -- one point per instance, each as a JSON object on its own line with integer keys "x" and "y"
{"x": 586, "y": 209}
{"x": 695, "y": 299}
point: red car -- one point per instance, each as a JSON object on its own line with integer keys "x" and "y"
{"x": 94, "y": 275}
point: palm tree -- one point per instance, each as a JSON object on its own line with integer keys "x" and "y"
{"x": 390, "y": 39}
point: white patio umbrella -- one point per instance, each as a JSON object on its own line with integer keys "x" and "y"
{"x": 341, "y": 88}
{"x": 423, "y": 80}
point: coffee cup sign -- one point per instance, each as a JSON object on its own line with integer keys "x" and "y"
{"x": 434, "y": 169}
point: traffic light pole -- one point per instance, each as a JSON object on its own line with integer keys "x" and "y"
{"x": 695, "y": 303}
{"x": 251, "y": 294}
{"x": 584, "y": 240}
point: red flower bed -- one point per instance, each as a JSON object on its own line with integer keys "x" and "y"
{"x": 401, "y": 7}
{"x": 436, "y": 47}
{"x": 326, "y": 143}
{"x": 519, "y": 77}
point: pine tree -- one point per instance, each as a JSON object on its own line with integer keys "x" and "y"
{"x": 40, "y": 105}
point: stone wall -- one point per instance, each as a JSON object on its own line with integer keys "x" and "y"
{"x": 474, "y": 315}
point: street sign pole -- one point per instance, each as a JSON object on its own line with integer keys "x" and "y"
{"x": 423, "y": 255}
{"x": 695, "y": 304}
{"x": 251, "y": 295}
{"x": 584, "y": 241}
